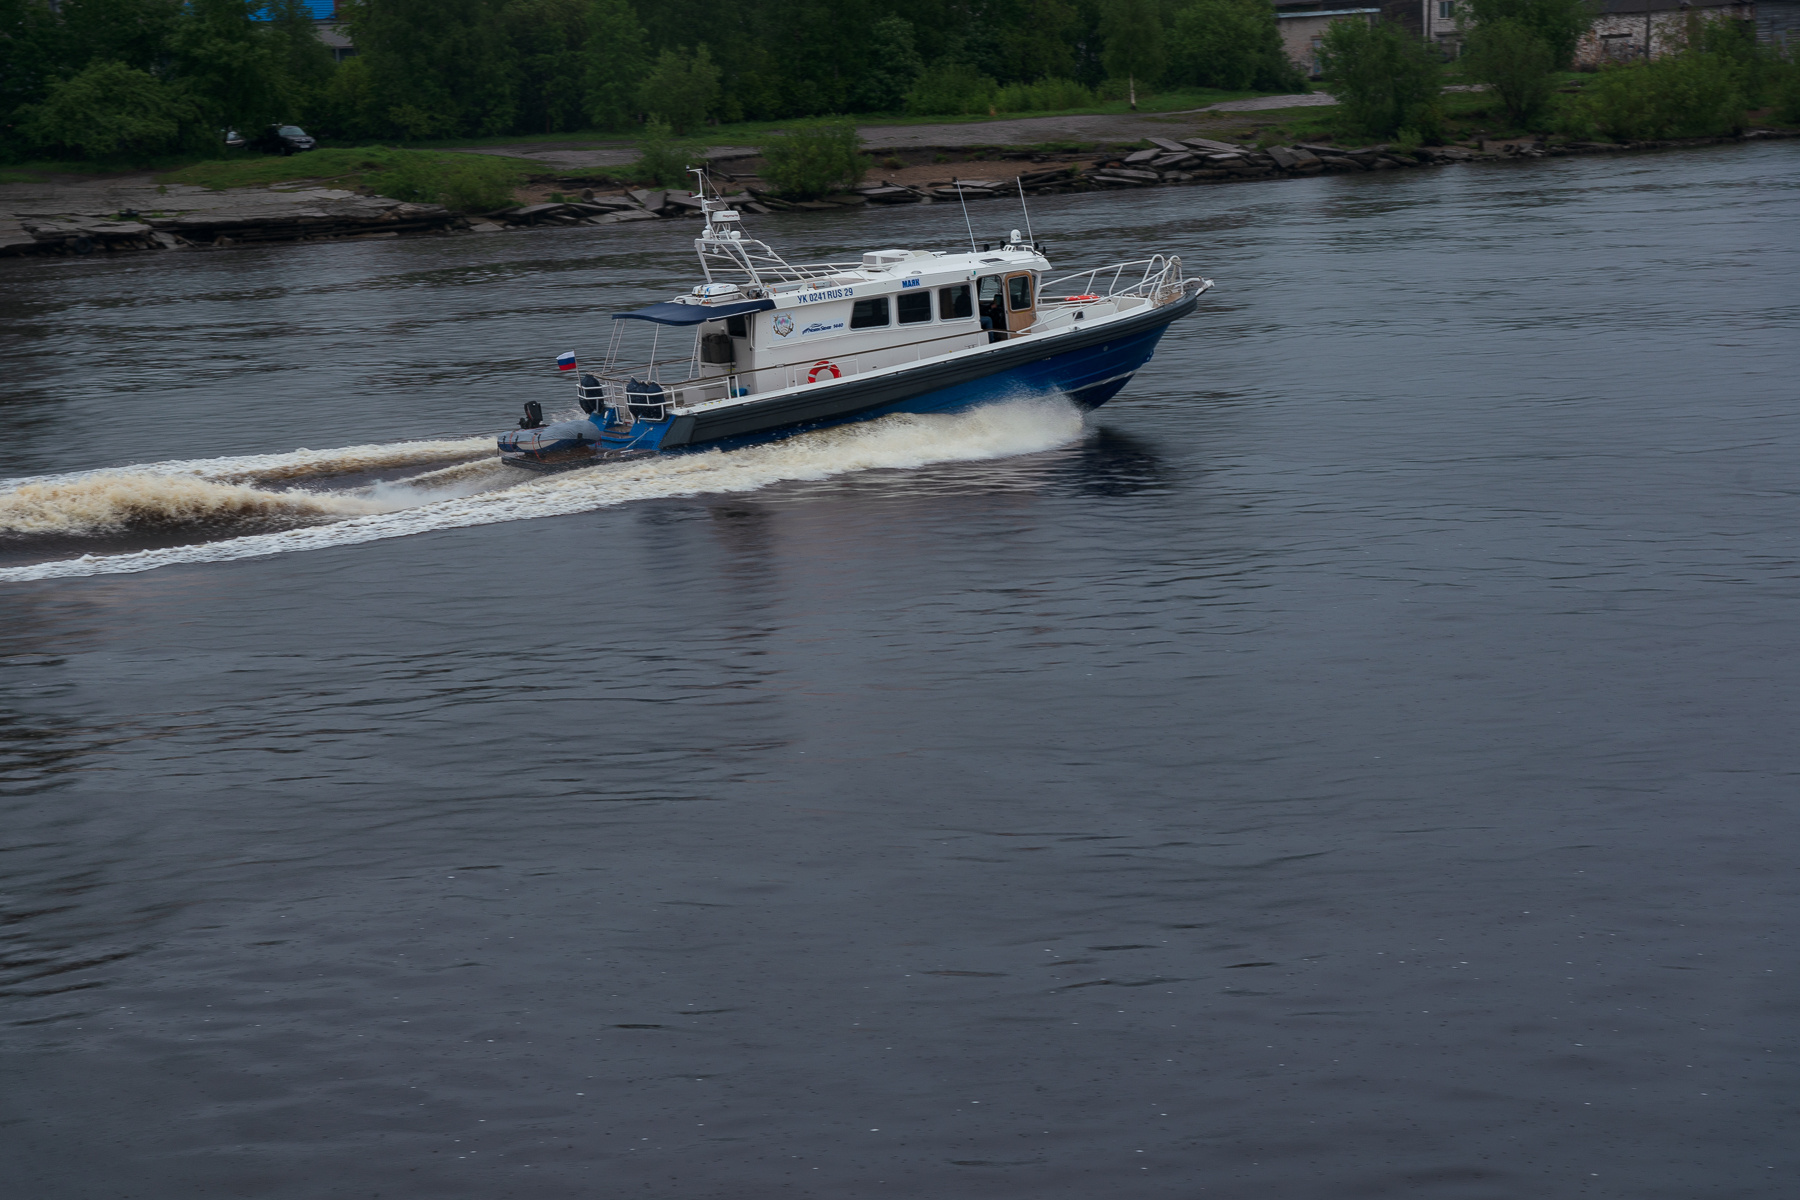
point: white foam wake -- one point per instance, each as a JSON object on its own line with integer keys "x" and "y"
{"x": 221, "y": 490}
{"x": 899, "y": 442}
{"x": 295, "y": 464}
{"x": 113, "y": 503}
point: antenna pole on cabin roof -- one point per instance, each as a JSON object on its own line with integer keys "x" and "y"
{"x": 965, "y": 208}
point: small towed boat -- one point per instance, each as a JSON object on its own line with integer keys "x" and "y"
{"x": 776, "y": 349}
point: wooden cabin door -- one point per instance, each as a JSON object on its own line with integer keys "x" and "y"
{"x": 1021, "y": 301}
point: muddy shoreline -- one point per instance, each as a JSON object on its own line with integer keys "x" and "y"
{"x": 134, "y": 215}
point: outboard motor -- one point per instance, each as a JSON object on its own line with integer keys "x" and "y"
{"x": 645, "y": 400}
{"x": 534, "y": 416}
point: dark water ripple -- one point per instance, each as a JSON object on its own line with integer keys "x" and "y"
{"x": 1361, "y": 765}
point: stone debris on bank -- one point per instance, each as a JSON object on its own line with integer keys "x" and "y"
{"x": 303, "y": 216}
{"x": 320, "y": 213}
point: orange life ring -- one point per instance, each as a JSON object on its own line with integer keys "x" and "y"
{"x": 823, "y": 365}
{"x": 1078, "y": 299}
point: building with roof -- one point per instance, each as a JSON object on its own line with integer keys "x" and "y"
{"x": 1638, "y": 29}
{"x": 1622, "y": 31}
{"x": 1303, "y": 23}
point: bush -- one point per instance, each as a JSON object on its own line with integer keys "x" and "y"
{"x": 951, "y": 90}
{"x": 1233, "y": 45}
{"x": 463, "y": 182}
{"x": 1516, "y": 64}
{"x": 109, "y": 109}
{"x": 1691, "y": 94}
{"x": 811, "y": 160}
{"x": 662, "y": 161}
{"x": 1384, "y": 79}
{"x": 1734, "y": 42}
{"x": 1785, "y": 88}
{"x": 1046, "y": 95}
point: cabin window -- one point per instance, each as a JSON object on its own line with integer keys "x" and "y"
{"x": 1018, "y": 292}
{"x": 869, "y": 314}
{"x": 954, "y": 303}
{"x": 913, "y": 307}
{"x": 737, "y": 327}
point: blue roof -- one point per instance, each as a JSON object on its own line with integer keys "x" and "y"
{"x": 670, "y": 313}
{"x": 321, "y": 10}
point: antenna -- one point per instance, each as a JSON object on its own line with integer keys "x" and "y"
{"x": 965, "y": 208}
{"x": 1029, "y": 236}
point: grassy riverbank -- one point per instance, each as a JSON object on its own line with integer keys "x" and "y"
{"x": 464, "y": 182}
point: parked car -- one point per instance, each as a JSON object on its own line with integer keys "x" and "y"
{"x": 234, "y": 140}
{"x": 284, "y": 139}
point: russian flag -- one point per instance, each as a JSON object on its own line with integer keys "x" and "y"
{"x": 565, "y": 361}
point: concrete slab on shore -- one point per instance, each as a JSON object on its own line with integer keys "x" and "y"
{"x": 81, "y": 213}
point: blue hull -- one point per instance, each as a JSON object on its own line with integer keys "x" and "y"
{"x": 1090, "y": 377}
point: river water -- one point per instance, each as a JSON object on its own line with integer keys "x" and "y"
{"x": 1358, "y": 761}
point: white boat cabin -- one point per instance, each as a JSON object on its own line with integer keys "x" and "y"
{"x": 897, "y": 306}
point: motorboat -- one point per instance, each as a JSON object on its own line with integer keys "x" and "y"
{"x": 762, "y": 348}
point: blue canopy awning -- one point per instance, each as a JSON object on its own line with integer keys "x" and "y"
{"x": 670, "y": 313}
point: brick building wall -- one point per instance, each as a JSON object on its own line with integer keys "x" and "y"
{"x": 1637, "y": 29}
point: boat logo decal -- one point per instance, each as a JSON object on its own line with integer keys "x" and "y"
{"x": 784, "y": 325}
{"x": 833, "y": 294}
{"x": 823, "y": 327}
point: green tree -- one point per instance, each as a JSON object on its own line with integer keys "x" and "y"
{"x": 893, "y": 66}
{"x": 681, "y": 88}
{"x": 548, "y": 39}
{"x": 347, "y": 108}
{"x": 1384, "y": 79}
{"x": 109, "y": 108}
{"x": 1134, "y": 43}
{"x": 133, "y": 32}
{"x": 300, "y": 56}
{"x": 614, "y": 60}
{"x": 1560, "y": 23}
{"x": 228, "y": 64}
{"x": 435, "y": 67}
{"x": 1233, "y": 45}
{"x": 1516, "y": 65}
{"x": 31, "y": 43}
{"x": 1022, "y": 41}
